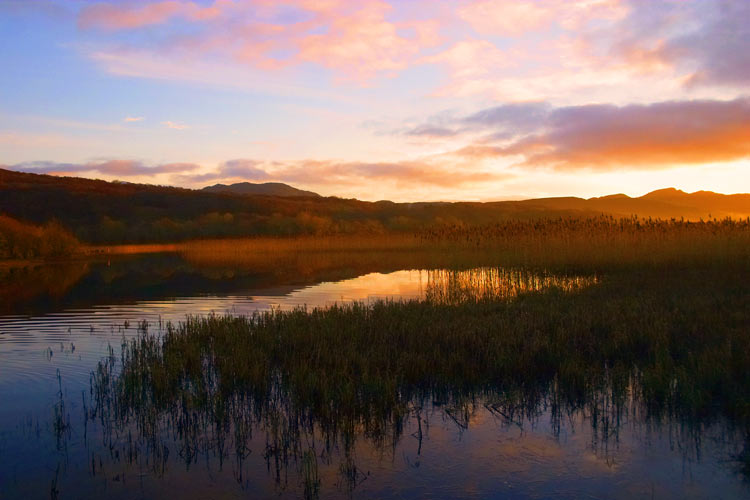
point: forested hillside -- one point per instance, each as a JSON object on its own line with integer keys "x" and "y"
{"x": 113, "y": 212}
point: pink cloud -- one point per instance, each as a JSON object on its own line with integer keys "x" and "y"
{"x": 517, "y": 17}
{"x": 175, "y": 125}
{"x": 470, "y": 62}
{"x": 549, "y": 47}
{"x": 360, "y": 41}
{"x": 414, "y": 173}
{"x": 113, "y": 17}
{"x": 357, "y": 40}
{"x": 506, "y": 17}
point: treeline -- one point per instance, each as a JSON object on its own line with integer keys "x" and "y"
{"x": 99, "y": 212}
{"x": 27, "y": 241}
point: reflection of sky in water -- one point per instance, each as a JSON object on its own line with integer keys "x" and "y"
{"x": 32, "y": 349}
{"x": 491, "y": 457}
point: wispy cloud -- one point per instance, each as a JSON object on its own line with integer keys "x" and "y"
{"x": 425, "y": 172}
{"x": 357, "y": 40}
{"x": 329, "y": 173}
{"x": 123, "y": 168}
{"x": 115, "y": 17}
{"x": 704, "y": 42}
{"x": 175, "y": 125}
{"x": 130, "y": 119}
{"x": 507, "y": 49}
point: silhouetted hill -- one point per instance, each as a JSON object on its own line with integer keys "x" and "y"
{"x": 266, "y": 188}
{"x": 113, "y": 212}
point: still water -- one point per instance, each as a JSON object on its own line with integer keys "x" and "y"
{"x": 58, "y": 322}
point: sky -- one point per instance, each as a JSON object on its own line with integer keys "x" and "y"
{"x": 410, "y": 100}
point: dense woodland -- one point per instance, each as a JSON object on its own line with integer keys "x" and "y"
{"x": 99, "y": 212}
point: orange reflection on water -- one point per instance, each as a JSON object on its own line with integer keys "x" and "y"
{"x": 441, "y": 286}
{"x": 493, "y": 283}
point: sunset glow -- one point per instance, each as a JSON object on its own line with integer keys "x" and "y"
{"x": 372, "y": 99}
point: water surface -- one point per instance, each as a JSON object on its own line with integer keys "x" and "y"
{"x": 57, "y": 323}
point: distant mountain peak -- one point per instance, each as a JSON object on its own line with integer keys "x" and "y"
{"x": 618, "y": 196}
{"x": 665, "y": 193}
{"x": 265, "y": 188}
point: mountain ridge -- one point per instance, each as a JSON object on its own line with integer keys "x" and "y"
{"x": 262, "y": 188}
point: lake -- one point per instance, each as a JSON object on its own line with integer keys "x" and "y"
{"x": 60, "y": 323}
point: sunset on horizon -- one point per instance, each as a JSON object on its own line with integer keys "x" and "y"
{"x": 403, "y": 100}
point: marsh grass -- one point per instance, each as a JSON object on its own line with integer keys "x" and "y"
{"x": 604, "y": 243}
{"x": 664, "y": 347}
{"x": 588, "y": 244}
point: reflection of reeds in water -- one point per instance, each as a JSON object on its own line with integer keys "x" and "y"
{"x": 492, "y": 284}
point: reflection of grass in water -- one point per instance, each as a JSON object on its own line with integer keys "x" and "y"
{"x": 61, "y": 419}
{"x": 661, "y": 346}
{"x": 491, "y": 284}
{"x": 311, "y": 480}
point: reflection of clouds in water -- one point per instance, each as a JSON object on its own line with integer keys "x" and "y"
{"x": 492, "y": 459}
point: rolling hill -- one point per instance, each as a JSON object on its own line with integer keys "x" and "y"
{"x": 111, "y": 212}
{"x": 266, "y": 188}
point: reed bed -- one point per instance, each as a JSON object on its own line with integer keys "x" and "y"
{"x": 604, "y": 242}
{"x": 661, "y": 348}
{"x": 577, "y": 243}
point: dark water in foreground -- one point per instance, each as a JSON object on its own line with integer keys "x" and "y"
{"x": 57, "y": 323}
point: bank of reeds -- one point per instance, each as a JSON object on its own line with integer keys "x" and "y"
{"x": 578, "y": 244}
{"x": 658, "y": 347}
{"x": 603, "y": 242}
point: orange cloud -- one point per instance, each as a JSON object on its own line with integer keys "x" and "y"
{"x": 604, "y": 137}
{"x": 400, "y": 173}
